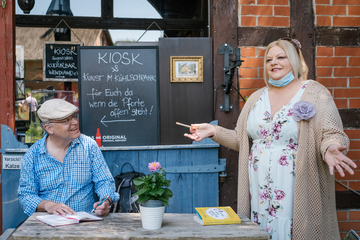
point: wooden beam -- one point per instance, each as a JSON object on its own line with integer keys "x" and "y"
{"x": 338, "y": 36}
{"x": 107, "y": 9}
{"x": 303, "y": 29}
{"x": 347, "y": 199}
{"x": 325, "y": 36}
{"x": 106, "y": 23}
{"x": 224, "y": 24}
{"x": 259, "y": 36}
{"x": 7, "y": 74}
{"x": 350, "y": 117}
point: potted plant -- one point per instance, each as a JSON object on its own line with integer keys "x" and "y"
{"x": 154, "y": 194}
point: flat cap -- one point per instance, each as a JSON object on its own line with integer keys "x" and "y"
{"x": 56, "y": 109}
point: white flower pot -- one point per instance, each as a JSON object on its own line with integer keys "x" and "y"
{"x": 152, "y": 203}
{"x": 151, "y": 217}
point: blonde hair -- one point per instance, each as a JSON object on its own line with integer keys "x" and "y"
{"x": 295, "y": 57}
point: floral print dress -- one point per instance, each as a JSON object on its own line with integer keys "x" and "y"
{"x": 272, "y": 165}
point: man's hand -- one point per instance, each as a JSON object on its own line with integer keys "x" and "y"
{"x": 337, "y": 160}
{"x": 54, "y": 208}
{"x": 103, "y": 209}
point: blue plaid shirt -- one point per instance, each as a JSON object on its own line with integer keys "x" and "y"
{"x": 71, "y": 182}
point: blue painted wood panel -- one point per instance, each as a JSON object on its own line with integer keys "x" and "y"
{"x": 190, "y": 189}
{"x": 12, "y": 212}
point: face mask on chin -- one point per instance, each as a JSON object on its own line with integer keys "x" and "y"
{"x": 282, "y": 82}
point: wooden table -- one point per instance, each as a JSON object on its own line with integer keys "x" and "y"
{"x": 128, "y": 226}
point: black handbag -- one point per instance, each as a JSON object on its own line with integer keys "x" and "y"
{"x": 126, "y": 188}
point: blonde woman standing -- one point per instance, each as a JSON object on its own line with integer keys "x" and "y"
{"x": 290, "y": 139}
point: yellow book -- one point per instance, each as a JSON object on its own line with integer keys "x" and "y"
{"x": 216, "y": 216}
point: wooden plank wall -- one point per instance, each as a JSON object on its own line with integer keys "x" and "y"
{"x": 190, "y": 189}
{"x": 185, "y": 102}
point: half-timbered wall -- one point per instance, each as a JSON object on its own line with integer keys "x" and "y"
{"x": 336, "y": 66}
{"x": 264, "y": 13}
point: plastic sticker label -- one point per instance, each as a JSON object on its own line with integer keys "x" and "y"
{"x": 12, "y": 162}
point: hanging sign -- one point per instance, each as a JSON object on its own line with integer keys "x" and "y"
{"x": 60, "y": 62}
{"x": 12, "y": 162}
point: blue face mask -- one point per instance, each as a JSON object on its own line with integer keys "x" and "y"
{"x": 282, "y": 82}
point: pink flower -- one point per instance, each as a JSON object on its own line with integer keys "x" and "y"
{"x": 280, "y": 195}
{"x": 290, "y": 112}
{"x": 264, "y": 133}
{"x": 272, "y": 211}
{"x": 276, "y": 128}
{"x": 292, "y": 146}
{"x": 268, "y": 228}
{"x": 251, "y": 158}
{"x": 283, "y": 161}
{"x": 264, "y": 195}
{"x": 154, "y": 166}
{"x": 267, "y": 116}
{"x": 256, "y": 218}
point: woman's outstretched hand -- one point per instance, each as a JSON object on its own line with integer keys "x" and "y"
{"x": 200, "y": 131}
{"x": 336, "y": 159}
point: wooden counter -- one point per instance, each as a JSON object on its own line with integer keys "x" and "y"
{"x": 128, "y": 226}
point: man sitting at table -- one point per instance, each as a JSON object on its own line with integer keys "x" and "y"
{"x": 61, "y": 171}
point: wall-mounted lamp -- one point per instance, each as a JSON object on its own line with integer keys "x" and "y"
{"x": 60, "y": 8}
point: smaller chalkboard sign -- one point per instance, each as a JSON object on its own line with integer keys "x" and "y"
{"x": 60, "y": 62}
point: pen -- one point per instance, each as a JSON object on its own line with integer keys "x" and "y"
{"x": 102, "y": 201}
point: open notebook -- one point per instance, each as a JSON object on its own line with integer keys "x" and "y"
{"x": 55, "y": 221}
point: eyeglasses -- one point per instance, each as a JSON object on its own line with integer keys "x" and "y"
{"x": 75, "y": 115}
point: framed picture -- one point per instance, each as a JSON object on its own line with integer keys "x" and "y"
{"x": 186, "y": 69}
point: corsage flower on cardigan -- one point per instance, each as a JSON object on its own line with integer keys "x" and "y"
{"x": 303, "y": 110}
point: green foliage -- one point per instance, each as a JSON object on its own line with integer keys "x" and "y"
{"x": 154, "y": 186}
{"x": 34, "y": 133}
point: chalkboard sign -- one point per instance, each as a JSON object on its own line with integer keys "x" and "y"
{"x": 118, "y": 95}
{"x": 60, "y": 62}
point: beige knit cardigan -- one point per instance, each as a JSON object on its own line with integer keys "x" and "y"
{"x": 314, "y": 214}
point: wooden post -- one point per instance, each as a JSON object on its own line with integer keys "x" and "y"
{"x": 7, "y": 73}
{"x": 302, "y": 27}
{"x": 224, "y": 24}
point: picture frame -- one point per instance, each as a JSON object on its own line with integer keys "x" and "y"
{"x": 186, "y": 69}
